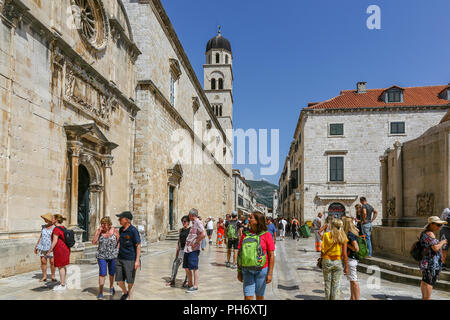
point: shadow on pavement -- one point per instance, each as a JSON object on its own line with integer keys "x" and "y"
{"x": 386, "y": 297}
{"x": 91, "y": 290}
{"x": 288, "y": 288}
{"x": 309, "y": 297}
{"x": 310, "y": 269}
{"x": 46, "y": 287}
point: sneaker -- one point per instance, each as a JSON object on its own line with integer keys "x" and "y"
{"x": 234, "y": 266}
{"x": 191, "y": 290}
{"x": 228, "y": 264}
{"x": 112, "y": 291}
{"x": 59, "y": 288}
{"x": 124, "y": 297}
{"x": 100, "y": 297}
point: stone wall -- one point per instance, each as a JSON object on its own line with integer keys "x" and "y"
{"x": 34, "y": 86}
{"x": 395, "y": 242}
{"x": 366, "y": 137}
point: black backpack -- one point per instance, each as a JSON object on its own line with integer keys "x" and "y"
{"x": 69, "y": 237}
{"x": 417, "y": 250}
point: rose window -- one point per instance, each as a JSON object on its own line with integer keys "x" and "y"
{"x": 92, "y": 24}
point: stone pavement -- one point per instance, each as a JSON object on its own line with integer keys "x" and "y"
{"x": 295, "y": 278}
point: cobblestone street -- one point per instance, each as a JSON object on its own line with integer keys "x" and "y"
{"x": 295, "y": 278}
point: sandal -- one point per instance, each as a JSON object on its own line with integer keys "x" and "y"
{"x": 54, "y": 280}
{"x": 43, "y": 280}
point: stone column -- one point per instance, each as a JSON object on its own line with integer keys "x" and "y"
{"x": 107, "y": 162}
{"x": 75, "y": 149}
{"x": 398, "y": 180}
{"x": 384, "y": 188}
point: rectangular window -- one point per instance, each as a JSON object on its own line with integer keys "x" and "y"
{"x": 336, "y": 168}
{"x": 397, "y": 127}
{"x": 336, "y": 129}
{"x": 395, "y": 96}
{"x": 172, "y": 90}
{"x": 240, "y": 201}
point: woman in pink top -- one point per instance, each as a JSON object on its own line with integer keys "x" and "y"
{"x": 255, "y": 280}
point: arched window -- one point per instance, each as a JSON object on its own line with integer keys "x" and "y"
{"x": 226, "y": 59}
{"x": 213, "y": 84}
{"x": 217, "y": 58}
{"x": 220, "y": 84}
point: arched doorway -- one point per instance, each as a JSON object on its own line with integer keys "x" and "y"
{"x": 336, "y": 209}
{"x": 84, "y": 182}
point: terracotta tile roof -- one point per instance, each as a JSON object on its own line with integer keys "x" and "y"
{"x": 412, "y": 96}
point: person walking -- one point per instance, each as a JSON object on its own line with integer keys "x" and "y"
{"x": 192, "y": 250}
{"x": 445, "y": 235}
{"x": 107, "y": 238}
{"x": 232, "y": 231}
{"x": 210, "y": 229}
{"x": 203, "y": 243}
{"x": 431, "y": 263}
{"x": 61, "y": 252}
{"x": 352, "y": 247}
{"x": 283, "y": 229}
{"x": 368, "y": 216}
{"x": 358, "y": 209}
{"x": 220, "y": 233}
{"x": 333, "y": 252}
{"x": 43, "y": 245}
{"x": 184, "y": 232}
{"x": 129, "y": 257}
{"x": 273, "y": 231}
{"x": 256, "y": 263}
{"x": 295, "y": 224}
{"x": 317, "y": 224}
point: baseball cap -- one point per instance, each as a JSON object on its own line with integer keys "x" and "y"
{"x": 125, "y": 214}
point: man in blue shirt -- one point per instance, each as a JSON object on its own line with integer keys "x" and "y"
{"x": 128, "y": 260}
{"x": 272, "y": 229}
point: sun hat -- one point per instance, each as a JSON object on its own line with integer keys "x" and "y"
{"x": 47, "y": 216}
{"x": 435, "y": 219}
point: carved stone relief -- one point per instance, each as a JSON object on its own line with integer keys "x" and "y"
{"x": 425, "y": 204}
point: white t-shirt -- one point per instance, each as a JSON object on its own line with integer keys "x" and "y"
{"x": 284, "y": 222}
{"x": 210, "y": 225}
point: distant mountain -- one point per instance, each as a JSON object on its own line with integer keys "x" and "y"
{"x": 263, "y": 191}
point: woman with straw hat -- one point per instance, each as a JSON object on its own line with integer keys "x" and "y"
{"x": 43, "y": 246}
{"x": 431, "y": 263}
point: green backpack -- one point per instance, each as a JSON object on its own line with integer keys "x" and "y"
{"x": 363, "y": 249}
{"x": 251, "y": 254}
{"x": 232, "y": 231}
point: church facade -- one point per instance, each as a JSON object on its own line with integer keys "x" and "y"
{"x": 89, "y": 109}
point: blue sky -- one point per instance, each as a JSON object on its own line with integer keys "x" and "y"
{"x": 291, "y": 52}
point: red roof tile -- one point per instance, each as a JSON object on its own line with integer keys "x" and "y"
{"x": 412, "y": 96}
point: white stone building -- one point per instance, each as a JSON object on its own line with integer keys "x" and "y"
{"x": 242, "y": 199}
{"x": 335, "y": 156}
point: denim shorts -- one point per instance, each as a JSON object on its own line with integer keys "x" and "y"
{"x": 106, "y": 265}
{"x": 190, "y": 260}
{"x": 254, "y": 282}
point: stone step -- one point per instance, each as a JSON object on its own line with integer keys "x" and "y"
{"x": 90, "y": 255}
{"x": 401, "y": 267}
{"x": 401, "y": 277}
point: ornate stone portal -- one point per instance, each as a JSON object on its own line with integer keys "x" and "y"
{"x": 88, "y": 146}
{"x": 425, "y": 204}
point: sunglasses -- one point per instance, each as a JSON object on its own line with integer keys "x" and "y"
{"x": 184, "y": 221}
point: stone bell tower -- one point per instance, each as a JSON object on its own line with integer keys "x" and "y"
{"x": 218, "y": 79}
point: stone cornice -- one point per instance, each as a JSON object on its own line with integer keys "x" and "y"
{"x": 150, "y": 85}
{"x": 169, "y": 29}
{"x": 377, "y": 109}
{"x": 119, "y": 33}
{"x": 221, "y": 91}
